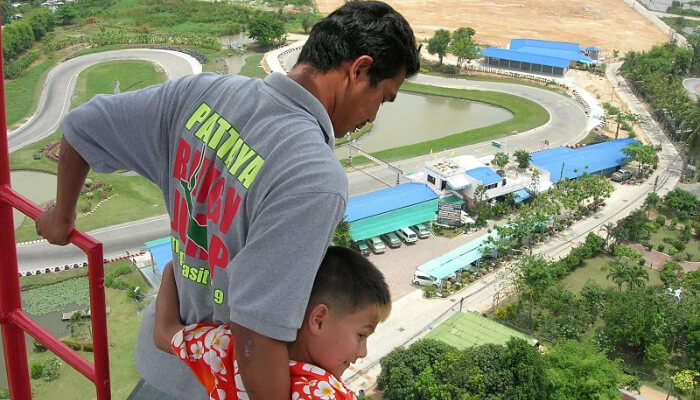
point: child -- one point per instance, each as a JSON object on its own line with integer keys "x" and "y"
{"x": 348, "y": 299}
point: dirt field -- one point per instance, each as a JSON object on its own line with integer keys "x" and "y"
{"x": 608, "y": 24}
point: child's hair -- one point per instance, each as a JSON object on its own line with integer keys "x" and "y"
{"x": 347, "y": 282}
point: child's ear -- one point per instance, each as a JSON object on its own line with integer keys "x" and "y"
{"x": 318, "y": 318}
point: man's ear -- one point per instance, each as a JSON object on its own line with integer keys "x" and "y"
{"x": 318, "y": 318}
{"x": 359, "y": 69}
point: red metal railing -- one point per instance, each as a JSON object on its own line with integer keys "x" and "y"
{"x": 14, "y": 322}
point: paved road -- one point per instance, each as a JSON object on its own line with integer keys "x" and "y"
{"x": 132, "y": 236}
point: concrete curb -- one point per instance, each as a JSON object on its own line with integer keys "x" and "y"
{"x": 47, "y": 270}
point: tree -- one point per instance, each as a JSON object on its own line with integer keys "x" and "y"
{"x": 501, "y": 160}
{"x": 679, "y": 200}
{"x": 617, "y": 271}
{"x": 267, "y": 29}
{"x": 671, "y": 275}
{"x": 643, "y": 154}
{"x": 462, "y": 45}
{"x": 308, "y": 21}
{"x": 533, "y": 277}
{"x": 66, "y": 14}
{"x": 5, "y": 11}
{"x": 523, "y": 158}
{"x": 341, "y": 236}
{"x": 438, "y": 43}
{"x": 577, "y": 370}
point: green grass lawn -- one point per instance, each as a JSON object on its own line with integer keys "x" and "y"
{"x": 252, "y": 66}
{"x": 102, "y": 78}
{"x": 123, "y": 324}
{"x": 134, "y": 197}
{"x": 595, "y": 269}
{"x": 469, "y": 329}
{"x": 526, "y": 115}
{"x": 692, "y": 247}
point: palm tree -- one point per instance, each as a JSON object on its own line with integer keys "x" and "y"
{"x": 618, "y": 274}
{"x": 637, "y": 276}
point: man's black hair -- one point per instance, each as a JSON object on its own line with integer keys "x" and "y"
{"x": 359, "y": 28}
{"x": 347, "y": 281}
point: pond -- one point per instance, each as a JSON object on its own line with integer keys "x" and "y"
{"x": 38, "y": 187}
{"x": 414, "y": 118}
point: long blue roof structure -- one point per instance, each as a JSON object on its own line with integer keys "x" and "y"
{"x": 515, "y": 55}
{"x": 516, "y": 44}
{"x": 389, "y": 199}
{"x": 565, "y": 54}
{"x": 567, "y": 163}
{"x": 485, "y": 175}
{"x": 461, "y": 257}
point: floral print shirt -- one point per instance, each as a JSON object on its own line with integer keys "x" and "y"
{"x": 209, "y": 352}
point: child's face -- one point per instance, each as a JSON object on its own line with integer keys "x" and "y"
{"x": 343, "y": 339}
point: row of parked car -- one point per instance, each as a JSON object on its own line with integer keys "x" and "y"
{"x": 378, "y": 244}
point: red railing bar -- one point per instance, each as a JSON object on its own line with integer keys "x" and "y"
{"x": 59, "y": 348}
{"x": 14, "y": 322}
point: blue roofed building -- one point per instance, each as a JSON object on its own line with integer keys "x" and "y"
{"x": 387, "y": 210}
{"x": 567, "y": 163}
{"x": 461, "y": 258}
{"x": 540, "y": 56}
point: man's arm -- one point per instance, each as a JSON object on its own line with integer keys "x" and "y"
{"x": 57, "y": 223}
{"x": 168, "y": 321}
{"x": 264, "y": 364}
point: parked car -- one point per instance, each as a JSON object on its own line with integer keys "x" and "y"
{"x": 391, "y": 240}
{"x": 376, "y": 245}
{"x": 407, "y": 235}
{"x": 621, "y": 175}
{"x": 361, "y": 247}
{"x": 423, "y": 279}
{"x": 421, "y": 231}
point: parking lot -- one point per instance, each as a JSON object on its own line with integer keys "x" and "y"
{"x": 398, "y": 265}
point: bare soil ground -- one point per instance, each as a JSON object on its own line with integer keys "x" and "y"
{"x": 608, "y": 24}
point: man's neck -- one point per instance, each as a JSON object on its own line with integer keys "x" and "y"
{"x": 320, "y": 84}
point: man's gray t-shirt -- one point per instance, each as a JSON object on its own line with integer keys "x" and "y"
{"x": 253, "y": 189}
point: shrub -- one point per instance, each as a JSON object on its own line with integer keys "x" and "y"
{"x": 52, "y": 367}
{"x": 37, "y": 371}
{"x": 38, "y": 347}
{"x": 660, "y": 247}
{"x": 4, "y": 394}
{"x": 429, "y": 291}
{"x": 680, "y": 246}
{"x": 661, "y": 220}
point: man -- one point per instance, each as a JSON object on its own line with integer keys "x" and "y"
{"x": 251, "y": 183}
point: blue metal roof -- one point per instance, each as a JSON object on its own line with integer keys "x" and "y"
{"x": 162, "y": 252}
{"x": 576, "y": 162}
{"x": 461, "y": 257}
{"x": 565, "y": 54}
{"x": 389, "y": 199}
{"x": 514, "y": 55}
{"x": 516, "y": 44}
{"x": 521, "y": 195}
{"x": 594, "y": 48}
{"x": 485, "y": 175}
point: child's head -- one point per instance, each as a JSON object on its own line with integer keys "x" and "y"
{"x": 348, "y": 299}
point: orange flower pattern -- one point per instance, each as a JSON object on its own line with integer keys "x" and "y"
{"x": 209, "y": 351}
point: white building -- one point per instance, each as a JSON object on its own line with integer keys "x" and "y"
{"x": 463, "y": 175}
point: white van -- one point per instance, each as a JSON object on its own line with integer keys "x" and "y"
{"x": 407, "y": 235}
{"x": 423, "y": 279}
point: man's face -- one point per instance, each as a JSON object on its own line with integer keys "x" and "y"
{"x": 360, "y": 101}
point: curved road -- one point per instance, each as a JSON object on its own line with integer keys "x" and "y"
{"x": 567, "y": 125}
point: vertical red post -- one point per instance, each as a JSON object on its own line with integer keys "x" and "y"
{"x": 10, "y": 300}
